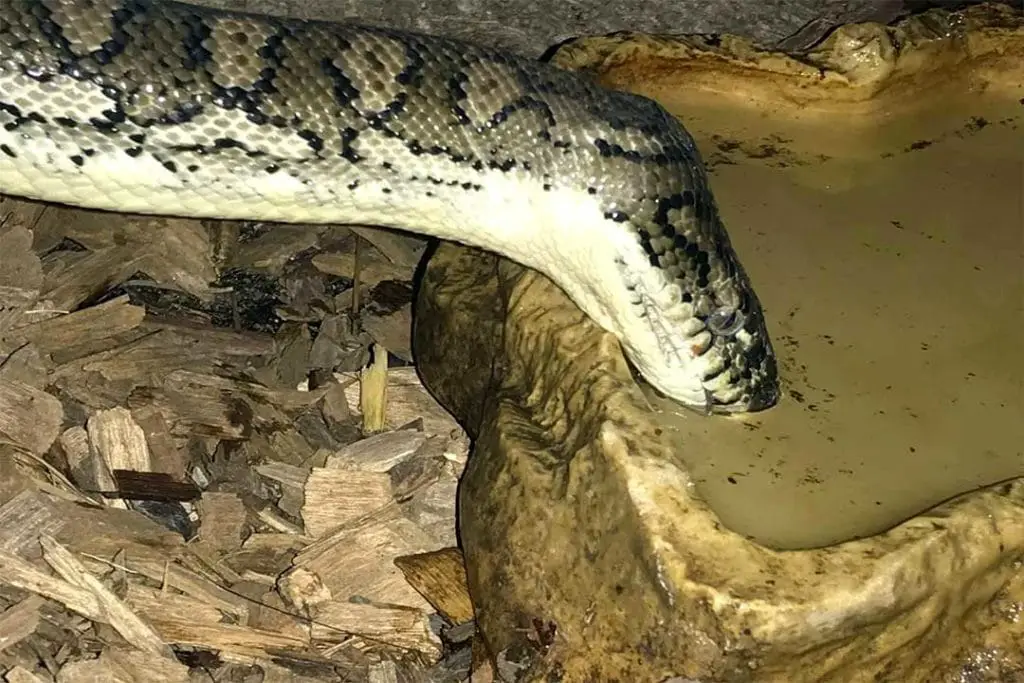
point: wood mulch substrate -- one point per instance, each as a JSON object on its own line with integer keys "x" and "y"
{"x": 217, "y": 462}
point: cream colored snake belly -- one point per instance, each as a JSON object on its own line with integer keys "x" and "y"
{"x": 164, "y": 108}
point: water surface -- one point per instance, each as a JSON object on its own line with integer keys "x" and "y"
{"x": 890, "y": 260}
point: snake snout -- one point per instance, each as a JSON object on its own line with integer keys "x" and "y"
{"x": 765, "y": 396}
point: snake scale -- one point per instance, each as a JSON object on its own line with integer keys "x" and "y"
{"x": 157, "y": 107}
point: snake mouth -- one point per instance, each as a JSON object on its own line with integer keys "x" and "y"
{"x": 741, "y": 372}
{"x": 763, "y": 397}
{"x": 744, "y": 378}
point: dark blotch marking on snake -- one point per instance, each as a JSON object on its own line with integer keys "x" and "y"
{"x": 349, "y": 136}
{"x": 197, "y": 31}
{"x": 315, "y": 142}
{"x": 344, "y": 92}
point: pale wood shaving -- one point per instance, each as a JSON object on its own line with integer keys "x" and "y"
{"x": 115, "y": 665}
{"x": 373, "y": 391}
{"x": 378, "y": 453}
{"x": 356, "y": 560}
{"x": 114, "y": 611}
{"x": 409, "y": 401}
{"x": 398, "y": 626}
{"x": 384, "y": 672}
{"x": 23, "y": 519}
{"x": 119, "y": 440}
{"x": 19, "y": 674}
{"x": 278, "y": 523}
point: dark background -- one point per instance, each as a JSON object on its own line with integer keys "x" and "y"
{"x": 530, "y": 27}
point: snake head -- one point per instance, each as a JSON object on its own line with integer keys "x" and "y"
{"x": 737, "y": 364}
{"x": 689, "y": 319}
{"x": 720, "y": 324}
{"x": 698, "y": 335}
{"x": 705, "y": 342}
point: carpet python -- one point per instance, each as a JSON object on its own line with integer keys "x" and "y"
{"x": 154, "y": 107}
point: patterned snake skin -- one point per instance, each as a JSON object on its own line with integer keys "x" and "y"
{"x": 163, "y": 108}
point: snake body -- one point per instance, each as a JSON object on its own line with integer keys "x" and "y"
{"x": 164, "y": 108}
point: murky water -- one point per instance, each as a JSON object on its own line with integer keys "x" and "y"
{"x": 890, "y": 260}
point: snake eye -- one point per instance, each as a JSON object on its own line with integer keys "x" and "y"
{"x": 726, "y": 321}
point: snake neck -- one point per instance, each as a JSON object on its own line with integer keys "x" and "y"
{"x": 162, "y": 108}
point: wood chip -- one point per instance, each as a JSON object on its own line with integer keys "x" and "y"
{"x": 378, "y": 453}
{"x": 223, "y": 520}
{"x": 165, "y": 456}
{"x": 88, "y": 325}
{"x": 383, "y": 672}
{"x": 29, "y": 417}
{"x": 26, "y": 365}
{"x": 412, "y": 475}
{"x": 222, "y": 407}
{"x": 118, "y": 439}
{"x": 292, "y": 480}
{"x": 356, "y": 561}
{"x": 339, "y": 345}
{"x": 88, "y": 469}
{"x": 73, "y": 278}
{"x": 23, "y": 519}
{"x": 335, "y": 497}
{"x": 393, "y": 331}
{"x": 440, "y": 577}
{"x": 109, "y": 606}
{"x": 402, "y": 627}
{"x": 21, "y": 276}
{"x": 372, "y": 268}
{"x": 268, "y": 610}
{"x": 199, "y": 588}
{"x": 19, "y": 674}
{"x": 19, "y": 266}
{"x": 399, "y": 248}
{"x": 153, "y": 486}
{"x": 83, "y": 594}
{"x": 427, "y": 489}
{"x": 334, "y": 407}
{"x": 19, "y": 621}
{"x": 274, "y": 247}
{"x": 275, "y": 521}
{"x": 115, "y": 665}
{"x": 151, "y": 403}
{"x": 183, "y": 621}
